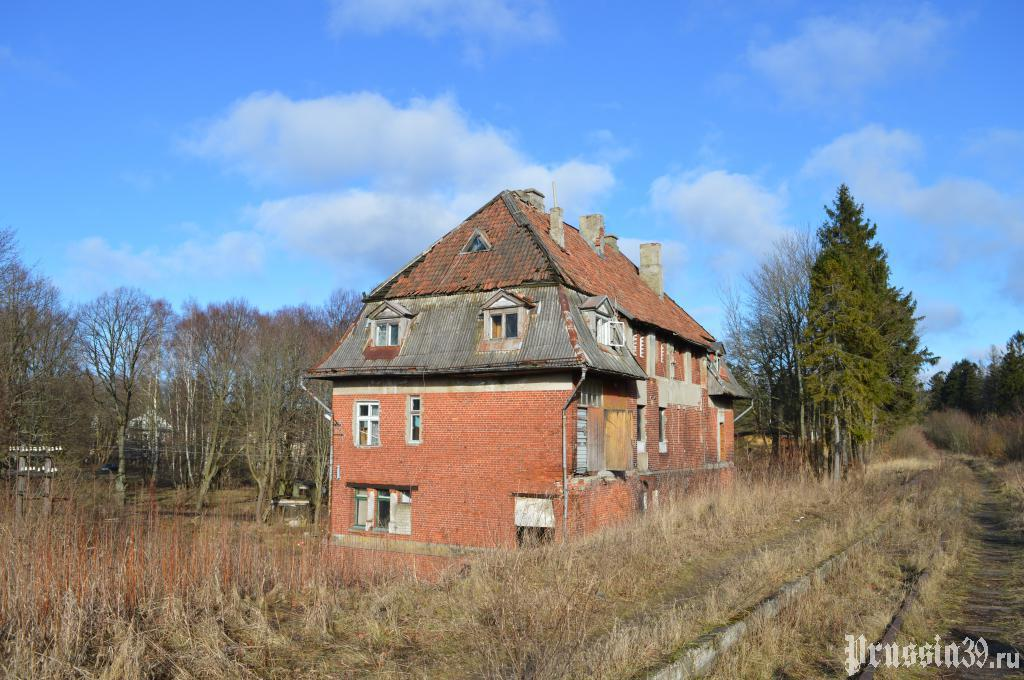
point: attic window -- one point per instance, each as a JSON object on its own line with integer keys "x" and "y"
{"x": 387, "y": 334}
{"x": 608, "y": 331}
{"x": 477, "y": 243}
{"x": 504, "y": 325}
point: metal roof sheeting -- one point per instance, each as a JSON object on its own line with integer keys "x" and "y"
{"x": 446, "y": 335}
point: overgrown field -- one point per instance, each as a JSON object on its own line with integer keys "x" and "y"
{"x": 152, "y": 593}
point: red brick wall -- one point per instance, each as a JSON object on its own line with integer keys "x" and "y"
{"x": 478, "y": 449}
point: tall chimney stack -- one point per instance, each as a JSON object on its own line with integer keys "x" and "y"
{"x": 557, "y": 230}
{"x": 650, "y": 267}
{"x": 592, "y": 230}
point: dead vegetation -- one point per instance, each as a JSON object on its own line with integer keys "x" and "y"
{"x": 147, "y": 594}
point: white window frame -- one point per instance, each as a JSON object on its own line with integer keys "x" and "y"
{"x": 392, "y": 333}
{"x": 608, "y": 331}
{"x": 503, "y": 333}
{"x": 662, "y": 429}
{"x": 713, "y": 365}
{"x": 641, "y": 428}
{"x": 415, "y": 409}
{"x": 369, "y": 419}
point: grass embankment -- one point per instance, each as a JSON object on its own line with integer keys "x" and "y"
{"x": 928, "y": 530}
{"x": 145, "y": 595}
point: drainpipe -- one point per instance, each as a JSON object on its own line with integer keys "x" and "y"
{"x": 329, "y": 415}
{"x": 749, "y": 408}
{"x": 565, "y": 464}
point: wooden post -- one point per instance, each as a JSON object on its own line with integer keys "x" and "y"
{"x": 20, "y": 486}
{"x": 47, "y": 485}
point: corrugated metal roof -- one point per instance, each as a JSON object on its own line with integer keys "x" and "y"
{"x": 446, "y": 336}
{"x": 727, "y": 386}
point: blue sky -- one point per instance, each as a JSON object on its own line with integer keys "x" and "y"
{"x": 279, "y": 150}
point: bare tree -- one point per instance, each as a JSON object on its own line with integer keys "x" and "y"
{"x": 765, "y": 326}
{"x": 117, "y": 333}
{"x": 211, "y": 345}
{"x": 38, "y": 375}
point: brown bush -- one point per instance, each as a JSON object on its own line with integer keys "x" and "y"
{"x": 995, "y": 437}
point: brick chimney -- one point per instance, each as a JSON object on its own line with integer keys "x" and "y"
{"x": 592, "y": 230}
{"x": 650, "y": 267}
{"x": 532, "y": 196}
{"x": 557, "y": 229}
{"x": 611, "y": 242}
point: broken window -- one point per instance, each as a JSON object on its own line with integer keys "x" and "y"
{"x": 387, "y": 334}
{"x": 383, "y": 510}
{"x": 534, "y": 518}
{"x": 640, "y": 435}
{"x": 477, "y": 243}
{"x": 661, "y": 425}
{"x": 415, "y": 419}
{"x": 382, "y": 518}
{"x": 367, "y": 423}
{"x": 362, "y": 513}
{"x": 504, "y": 325}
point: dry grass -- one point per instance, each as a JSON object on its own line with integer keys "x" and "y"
{"x": 808, "y": 639}
{"x": 142, "y": 595}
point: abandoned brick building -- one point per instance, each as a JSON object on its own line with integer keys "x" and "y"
{"x": 514, "y": 358}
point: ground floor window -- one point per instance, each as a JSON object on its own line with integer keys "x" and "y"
{"x": 383, "y": 510}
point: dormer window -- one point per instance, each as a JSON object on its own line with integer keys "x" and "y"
{"x": 477, "y": 243}
{"x": 505, "y": 319}
{"x": 388, "y": 324}
{"x": 504, "y": 325}
{"x": 713, "y": 365}
{"x": 600, "y": 315}
{"x": 387, "y": 334}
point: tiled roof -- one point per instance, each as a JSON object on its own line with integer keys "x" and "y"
{"x": 523, "y": 252}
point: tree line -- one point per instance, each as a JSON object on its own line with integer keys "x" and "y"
{"x": 185, "y": 397}
{"x": 827, "y": 344}
{"x": 992, "y": 387}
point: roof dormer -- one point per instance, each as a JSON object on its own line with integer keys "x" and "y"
{"x": 389, "y": 323}
{"x": 600, "y": 315}
{"x": 505, "y": 317}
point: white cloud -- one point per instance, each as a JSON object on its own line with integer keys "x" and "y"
{"x": 734, "y": 210}
{"x": 366, "y": 230}
{"x": 874, "y": 162}
{"x": 495, "y": 21}
{"x": 399, "y": 176}
{"x": 364, "y": 138}
{"x": 831, "y": 58}
{"x": 97, "y": 265}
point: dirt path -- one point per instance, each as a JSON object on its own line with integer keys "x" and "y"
{"x": 994, "y": 609}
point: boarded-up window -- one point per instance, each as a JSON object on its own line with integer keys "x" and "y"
{"x": 581, "y": 441}
{"x": 401, "y": 513}
{"x": 617, "y": 448}
{"x": 534, "y": 512}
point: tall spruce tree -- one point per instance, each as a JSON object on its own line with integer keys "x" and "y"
{"x": 861, "y": 345}
{"x": 1010, "y": 379}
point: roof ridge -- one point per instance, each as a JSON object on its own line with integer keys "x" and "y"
{"x": 523, "y": 221}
